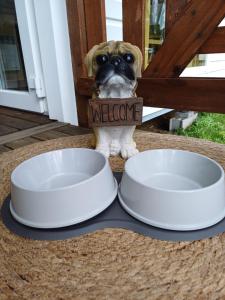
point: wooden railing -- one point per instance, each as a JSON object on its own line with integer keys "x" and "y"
{"x": 191, "y": 28}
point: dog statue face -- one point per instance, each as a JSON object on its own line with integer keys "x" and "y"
{"x": 115, "y": 65}
{"x": 114, "y": 62}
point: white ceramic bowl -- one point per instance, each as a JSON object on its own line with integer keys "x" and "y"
{"x": 61, "y": 187}
{"x": 173, "y": 189}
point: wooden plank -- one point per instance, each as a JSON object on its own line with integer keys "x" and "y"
{"x": 115, "y": 112}
{"x": 16, "y": 123}
{"x": 6, "y": 129}
{"x": 74, "y": 130}
{"x": 95, "y": 22}
{"x": 215, "y": 43}
{"x": 199, "y": 94}
{"x": 28, "y": 132}
{"x": 21, "y": 143}
{"x": 24, "y": 115}
{"x": 185, "y": 38}
{"x": 49, "y": 135}
{"x": 134, "y": 23}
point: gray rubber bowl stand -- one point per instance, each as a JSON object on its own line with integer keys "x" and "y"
{"x": 113, "y": 217}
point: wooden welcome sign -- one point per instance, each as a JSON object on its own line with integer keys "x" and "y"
{"x": 115, "y": 111}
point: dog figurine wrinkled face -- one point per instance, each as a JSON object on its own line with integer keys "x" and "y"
{"x": 115, "y": 65}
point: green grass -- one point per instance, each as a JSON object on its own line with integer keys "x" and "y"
{"x": 209, "y": 126}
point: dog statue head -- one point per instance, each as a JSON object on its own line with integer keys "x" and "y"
{"x": 114, "y": 63}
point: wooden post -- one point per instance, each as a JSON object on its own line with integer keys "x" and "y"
{"x": 85, "y": 31}
{"x": 95, "y": 22}
{"x": 134, "y": 23}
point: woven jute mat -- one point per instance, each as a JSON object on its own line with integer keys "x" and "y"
{"x": 111, "y": 263}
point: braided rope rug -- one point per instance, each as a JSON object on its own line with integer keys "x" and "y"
{"x": 111, "y": 263}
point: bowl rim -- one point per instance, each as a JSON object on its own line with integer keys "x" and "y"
{"x": 12, "y": 179}
{"x": 221, "y": 178}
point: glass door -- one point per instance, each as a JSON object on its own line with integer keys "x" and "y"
{"x": 21, "y": 83}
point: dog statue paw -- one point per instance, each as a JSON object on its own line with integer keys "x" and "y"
{"x": 115, "y": 65}
{"x": 128, "y": 150}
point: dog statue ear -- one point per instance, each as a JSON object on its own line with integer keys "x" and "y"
{"x": 139, "y": 61}
{"x": 88, "y": 61}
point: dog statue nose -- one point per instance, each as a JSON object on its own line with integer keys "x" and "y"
{"x": 115, "y": 60}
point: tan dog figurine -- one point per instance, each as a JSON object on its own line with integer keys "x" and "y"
{"x": 115, "y": 65}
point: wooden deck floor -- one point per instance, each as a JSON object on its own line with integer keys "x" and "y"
{"x": 20, "y": 128}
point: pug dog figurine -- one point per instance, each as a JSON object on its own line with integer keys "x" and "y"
{"x": 115, "y": 66}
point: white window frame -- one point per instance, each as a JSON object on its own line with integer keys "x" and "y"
{"x": 45, "y": 45}
{"x": 33, "y": 99}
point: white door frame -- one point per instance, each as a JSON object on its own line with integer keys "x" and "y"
{"x": 54, "y": 43}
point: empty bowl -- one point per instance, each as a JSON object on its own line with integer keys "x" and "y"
{"x": 61, "y": 188}
{"x": 173, "y": 189}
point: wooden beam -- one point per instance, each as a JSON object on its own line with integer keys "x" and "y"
{"x": 95, "y": 22}
{"x": 199, "y": 94}
{"x": 174, "y": 9}
{"x": 185, "y": 38}
{"x": 24, "y": 115}
{"x": 215, "y": 43}
{"x": 29, "y": 132}
{"x": 134, "y": 23}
